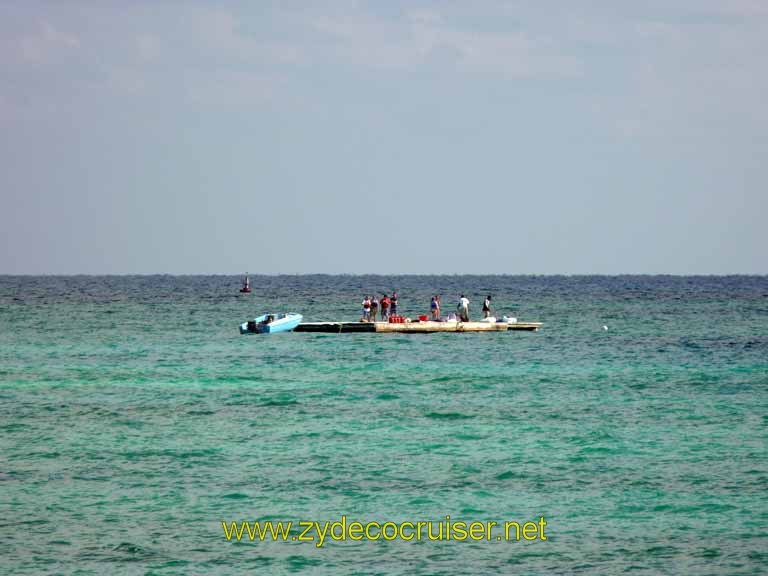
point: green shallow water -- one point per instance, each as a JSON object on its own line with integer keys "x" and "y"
{"x": 134, "y": 419}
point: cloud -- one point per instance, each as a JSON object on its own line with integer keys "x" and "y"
{"x": 202, "y": 56}
{"x": 516, "y": 54}
{"x": 655, "y": 30}
{"x": 148, "y": 47}
{"x": 46, "y": 43}
{"x": 126, "y": 80}
{"x": 744, "y": 8}
{"x": 415, "y": 39}
{"x": 231, "y": 87}
{"x": 219, "y": 34}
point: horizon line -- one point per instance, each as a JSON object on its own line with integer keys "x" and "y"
{"x": 399, "y": 274}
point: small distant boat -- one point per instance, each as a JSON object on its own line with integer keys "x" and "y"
{"x": 246, "y": 284}
{"x": 271, "y": 323}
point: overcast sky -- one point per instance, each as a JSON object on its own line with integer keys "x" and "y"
{"x": 384, "y": 137}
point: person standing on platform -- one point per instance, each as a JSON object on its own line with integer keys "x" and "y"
{"x": 434, "y": 308}
{"x": 366, "y": 309}
{"x": 463, "y": 308}
{"x": 374, "y": 308}
{"x": 487, "y": 306}
{"x": 393, "y": 305}
{"x": 384, "y": 305}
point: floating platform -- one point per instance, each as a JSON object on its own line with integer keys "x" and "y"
{"x": 416, "y": 327}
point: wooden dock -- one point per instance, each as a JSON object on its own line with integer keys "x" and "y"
{"x": 416, "y": 327}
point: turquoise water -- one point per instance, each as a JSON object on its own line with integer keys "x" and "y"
{"x": 134, "y": 419}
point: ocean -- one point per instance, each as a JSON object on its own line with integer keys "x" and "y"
{"x": 135, "y": 419}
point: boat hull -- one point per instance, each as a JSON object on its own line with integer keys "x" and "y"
{"x": 280, "y": 323}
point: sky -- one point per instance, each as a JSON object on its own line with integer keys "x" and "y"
{"x": 514, "y": 137}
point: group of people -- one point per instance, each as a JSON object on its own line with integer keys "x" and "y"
{"x": 387, "y": 307}
{"x": 463, "y": 308}
{"x": 372, "y": 306}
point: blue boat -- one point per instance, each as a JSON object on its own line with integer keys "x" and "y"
{"x": 271, "y": 323}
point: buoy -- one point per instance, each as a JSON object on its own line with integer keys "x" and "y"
{"x": 605, "y": 327}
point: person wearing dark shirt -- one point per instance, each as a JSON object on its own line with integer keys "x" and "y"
{"x": 487, "y": 306}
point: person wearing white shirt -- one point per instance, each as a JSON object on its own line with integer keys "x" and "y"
{"x": 463, "y": 308}
{"x": 366, "y": 310}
